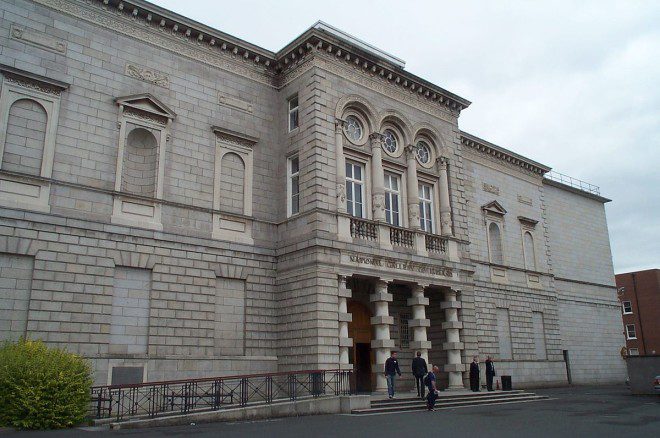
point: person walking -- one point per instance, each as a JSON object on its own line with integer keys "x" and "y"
{"x": 419, "y": 370}
{"x": 391, "y": 370}
{"x": 474, "y": 374}
{"x": 430, "y": 382}
{"x": 490, "y": 373}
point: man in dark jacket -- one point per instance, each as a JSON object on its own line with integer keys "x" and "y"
{"x": 433, "y": 389}
{"x": 391, "y": 370}
{"x": 419, "y": 370}
{"x": 490, "y": 373}
{"x": 474, "y": 374}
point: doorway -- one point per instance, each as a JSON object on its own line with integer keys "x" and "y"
{"x": 361, "y": 356}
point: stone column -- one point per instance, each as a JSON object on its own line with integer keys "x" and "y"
{"x": 344, "y": 293}
{"x": 381, "y": 322}
{"x": 445, "y": 204}
{"x": 412, "y": 189}
{"x": 453, "y": 346}
{"x": 377, "y": 178}
{"x": 341, "y": 166}
{"x": 419, "y": 323}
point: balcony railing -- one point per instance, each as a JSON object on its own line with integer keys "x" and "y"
{"x": 401, "y": 237}
{"x": 152, "y": 399}
{"x": 363, "y": 229}
{"x": 436, "y": 243}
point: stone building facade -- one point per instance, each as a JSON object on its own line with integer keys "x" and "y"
{"x": 176, "y": 202}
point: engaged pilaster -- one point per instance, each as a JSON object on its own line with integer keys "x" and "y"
{"x": 419, "y": 323}
{"x": 377, "y": 177}
{"x": 341, "y": 166}
{"x": 412, "y": 188}
{"x": 453, "y": 346}
{"x": 446, "y": 226}
{"x": 381, "y": 322}
{"x": 344, "y": 293}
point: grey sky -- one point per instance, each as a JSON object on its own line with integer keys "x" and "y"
{"x": 574, "y": 85}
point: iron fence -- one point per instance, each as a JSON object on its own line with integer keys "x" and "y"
{"x": 148, "y": 400}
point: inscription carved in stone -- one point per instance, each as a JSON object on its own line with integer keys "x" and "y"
{"x": 236, "y": 103}
{"x": 524, "y": 200}
{"x": 147, "y": 75}
{"x": 490, "y": 188}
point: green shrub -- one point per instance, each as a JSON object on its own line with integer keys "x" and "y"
{"x": 42, "y": 387}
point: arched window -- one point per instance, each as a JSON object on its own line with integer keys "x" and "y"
{"x": 495, "y": 244}
{"x": 26, "y": 137}
{"x": 528, "y": 248}
{"x": 140, "y": 163}
{"x": 232, "y": 180}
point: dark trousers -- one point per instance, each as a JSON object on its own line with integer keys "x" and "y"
{"x": 419, "y": 380}
{"x": 489, "y": 382}
{"x": 474, "y": 384}
{"x": 430, "y": 399}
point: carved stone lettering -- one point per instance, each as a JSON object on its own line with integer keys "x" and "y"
{"x": 235, "y": 103}
{"x": 524, "y": 200}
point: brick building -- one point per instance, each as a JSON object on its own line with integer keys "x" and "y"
{"x": 176, "y": 202}
{"x": 639, "y": 293}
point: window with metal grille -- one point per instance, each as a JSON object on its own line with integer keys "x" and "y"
{"x": 404, "y": 330}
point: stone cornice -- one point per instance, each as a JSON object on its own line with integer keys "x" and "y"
{"x": 500, "y": 153}
{"x": 155, "y": 25}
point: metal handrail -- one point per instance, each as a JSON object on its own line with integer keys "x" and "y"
{"x": 152, "y": 399}
{"x": 573, "y": 182}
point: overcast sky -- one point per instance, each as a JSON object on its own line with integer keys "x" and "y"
{"x": 573, "y": 85}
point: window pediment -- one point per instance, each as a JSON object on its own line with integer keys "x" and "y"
{"x": 493, "y": 208}
{"x": 529, "y": 222}
{"x": 146, "y": 103}
{"x": 233, "y": 137}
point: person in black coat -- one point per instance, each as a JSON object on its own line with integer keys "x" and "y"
{"x": 391, "y": 370}
{"x": 490, "y": 373}
{"x": 474, "y": 374}
{"x": 419, "y": 370}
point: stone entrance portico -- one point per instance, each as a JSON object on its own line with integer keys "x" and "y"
{"x": 410, "y": 315}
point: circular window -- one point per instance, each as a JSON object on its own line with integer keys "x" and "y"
{"x": 353, "y": 128}
{"x": 389, "y": 141}
{"x": 423, "y": 152}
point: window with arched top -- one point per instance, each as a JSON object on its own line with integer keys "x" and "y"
{"x": 528, "y": 249}
{"x": 140, "y": 167}
{"x": 495, "y": 244}
{"x": 25, "y": 138}
{"x": 232, "y": 183}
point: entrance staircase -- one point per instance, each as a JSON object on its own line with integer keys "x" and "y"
{"x": 446, "y": 400}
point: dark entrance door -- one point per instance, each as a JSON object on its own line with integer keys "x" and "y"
{"x": 363, "y": 367}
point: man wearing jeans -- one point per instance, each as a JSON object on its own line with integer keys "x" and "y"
{"x": 391, "y": 370}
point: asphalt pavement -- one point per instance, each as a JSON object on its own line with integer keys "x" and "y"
{"x": 570, "y": 412}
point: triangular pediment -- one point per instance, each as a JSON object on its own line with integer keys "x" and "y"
{"x": 495, "y": 208}
{"x": 147, "y": 103}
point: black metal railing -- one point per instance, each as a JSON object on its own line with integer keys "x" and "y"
{"x": 152, "y": 399}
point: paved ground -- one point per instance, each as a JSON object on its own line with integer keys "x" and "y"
{"x": 572, "y": 412}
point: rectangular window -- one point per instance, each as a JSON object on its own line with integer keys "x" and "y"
{"x": 293, "y": 188}
{"x": 627, "y": 307}
{"x": 404, "y": 330}
{"x": 539, "y": 335}
{"x": 633, "y": 352}
{"x": 392, "y": 199}
{"x": 293, "y": 113}
{"x": 504, "y": 333}
{"x": 355, "y": 189}
{"x": 630, "y": 331}
{"x": 426, "y": 207}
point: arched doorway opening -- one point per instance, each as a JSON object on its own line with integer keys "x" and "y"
{"x": 360, "y": 354}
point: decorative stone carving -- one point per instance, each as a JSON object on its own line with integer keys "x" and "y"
{"x": 143, "y": 115}
{"x": 32, "y": 85}
{"x": 38, "y": 39}
{"x": 341, "y": 193}
{"x": 235, "y": 103}
{"x": 490, "y": 188}
{"x": 378, "y": 204}
{"x": 413, "y": 214}
{"x": 147, "y": 75}
{"x": 524, "y": 200}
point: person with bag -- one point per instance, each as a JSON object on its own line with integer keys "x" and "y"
{"x": 419, "y": 370}
{"x": 490, "y": 373}
{"x": 429, "y": 381}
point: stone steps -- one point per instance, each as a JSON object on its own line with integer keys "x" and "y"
{"x": 446, "y": 401}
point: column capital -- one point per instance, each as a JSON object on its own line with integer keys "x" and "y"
{"x": 411, "y": 151}
{"x": 376, "y": 139}
{"x": 442, "y": 162}
{"x": 339, "y": 125}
